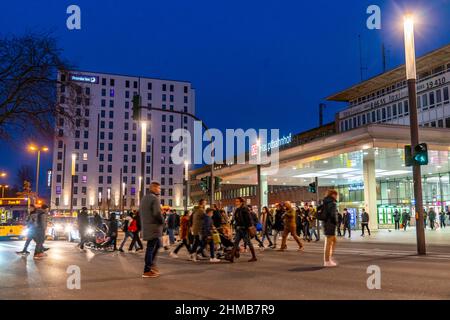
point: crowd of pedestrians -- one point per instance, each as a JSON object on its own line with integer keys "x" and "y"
{"x": 216, "y": 235}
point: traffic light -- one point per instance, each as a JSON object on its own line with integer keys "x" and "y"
{"x": 312, "y": 187}
{"x": 421, "y": 154}
{"x": 217, "y": 182}
{"x": 205, "y": 184}
{"x": 408, "y": 156}
{"x": 136, "y": 107}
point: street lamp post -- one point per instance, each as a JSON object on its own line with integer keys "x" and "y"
{"x": 414, "y": 127}
{"x": 38, "y": 149}
{"x": 186, "y": 183}
{"x": 3, "y": 189}
{"x": 143, "y": 150}
{"x": 72, "y": 175}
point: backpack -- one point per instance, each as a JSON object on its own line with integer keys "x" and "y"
{"x": 125, "y": 225}
{"x": 133, "y": 226}
{"x": 321, "y": 213}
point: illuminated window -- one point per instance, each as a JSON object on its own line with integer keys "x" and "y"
{"x": 85, "y": 156}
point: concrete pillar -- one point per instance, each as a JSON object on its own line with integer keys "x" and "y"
{"x": 370, "y": 192}
{"x": 262, "y": 189}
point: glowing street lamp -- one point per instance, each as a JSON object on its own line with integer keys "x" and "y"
{"x": 143, "y": 150}
{"x": 34, "y": 148}
{"x": 410, "y": 64}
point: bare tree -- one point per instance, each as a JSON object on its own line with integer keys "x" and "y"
{"x": 25, "y": 173}
{"x": 29, "y": 67}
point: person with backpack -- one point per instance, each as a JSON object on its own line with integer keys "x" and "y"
{"x": 396, "y": 217}
{"x": 313, "y": 224}
{"x": 328, "y": 214}
{"x": 364, "y": 222}
{"x": 278, "y": 225}
{"x": 340, "y": 220}
{"x": 290, "y": 227}
{"x": 256, "y": 223}
{"x": 346, "y": 222}
{"x": 266, "y": 223}
{"x": 244, "y": 228}
{"x": 83, "y": 224}
{"x": 184, "y": 235}
{"x": 127, "y": 233}
{"x": 171, "y": 225}
{"x": 39, "y": 234}
{"x": 113, "y": 228}
{"x": 30, "y": 225}
{"x": 135, "y": 229}
{"x": 405, "y": 219}
{"x": 207, "y": 234}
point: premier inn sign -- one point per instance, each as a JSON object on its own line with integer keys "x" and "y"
{"x": 83, "y": 78}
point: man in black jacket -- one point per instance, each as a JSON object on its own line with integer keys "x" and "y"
{"x": 243, "y": 222}
{"x": 83, "y": 224}
{"x": 329, "y": 227}
{"x": 346, "y": 223}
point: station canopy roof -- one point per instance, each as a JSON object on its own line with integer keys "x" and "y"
{"x": 424, "y": 63}
{"x": 338, "y": 159}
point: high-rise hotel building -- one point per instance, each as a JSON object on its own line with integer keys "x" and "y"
{"x": 106, "y": 145}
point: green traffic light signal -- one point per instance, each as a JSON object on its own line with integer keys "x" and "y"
{"x": 312, "y": 187}
{"x": 421, "y": 154}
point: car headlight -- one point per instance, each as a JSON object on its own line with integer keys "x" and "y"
{"x": 89, "y": 231}
{"x": 68, "y": 228}
{"x": 58, "y": 227}
{"x": 25, "y": 232}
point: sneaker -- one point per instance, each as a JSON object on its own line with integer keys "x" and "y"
{"x": 121, "y": 250}
{"x": 329, "y": 264}
{"x": 23, "y": 253}
{"x": 301, "y": 249}
{"x": 138, "y": 249}
{"x": 214, "y": 260}
{"x": 333, "y": 261}
{"x": 173, "y": 255}
{"x": 46, "y": 249}
{"x": 150, "y": 274}
{"x": 252, "y": 260}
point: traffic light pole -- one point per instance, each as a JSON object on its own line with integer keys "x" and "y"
{"x": 211, "y": 190}
{"x": 417, "y": 175}
{"x": 317, "y": 205}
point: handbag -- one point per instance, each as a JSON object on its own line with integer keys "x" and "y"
{"x": 252, "y": 231}
{"x": 259, "y": 226}
{"x": 165, "y": 240}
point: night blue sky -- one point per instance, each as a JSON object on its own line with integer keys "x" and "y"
{"x": 255, "y": 64}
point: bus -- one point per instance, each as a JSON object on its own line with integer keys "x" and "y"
{"x": 13, "y": 215}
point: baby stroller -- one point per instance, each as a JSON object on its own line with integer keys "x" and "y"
{"x": 100, "y": 241}
{"x": 226, "y": 246}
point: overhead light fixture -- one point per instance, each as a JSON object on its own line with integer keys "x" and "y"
{"x": 339, "y": 170}
{"x": 310, "y": 175}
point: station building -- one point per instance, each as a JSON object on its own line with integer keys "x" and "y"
{"x": 361, "y": 155}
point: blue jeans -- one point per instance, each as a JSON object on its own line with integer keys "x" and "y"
{"x": 242, "y": 234}
{"x": 128, "y": 234}
{"x": 312, "y": 232}
{"x": 150, "y": 254}
{"x": 211, "y": 248}
{"x": 171, "y": 235}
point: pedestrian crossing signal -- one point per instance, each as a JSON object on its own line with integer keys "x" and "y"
{"x": 312, "y": 187}
{"x": 421, "y": 154}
